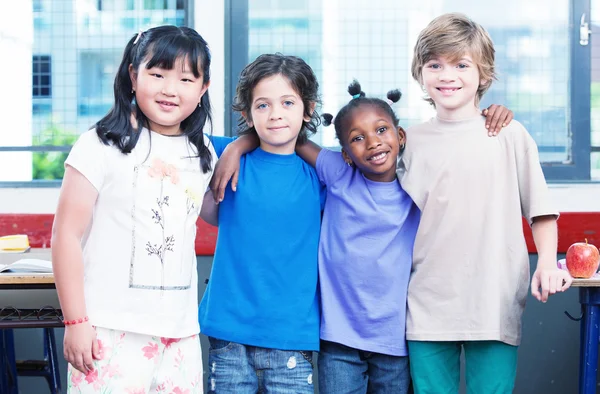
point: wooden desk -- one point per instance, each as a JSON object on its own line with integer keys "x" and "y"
{"x": 592, "y": 282}
{"x": 24, "y": 297}
{"x": 42, "y": 316}
{"x": 18, "y": 281}
{"x": 589, "y": 298}
{"x": 45, "y": 317}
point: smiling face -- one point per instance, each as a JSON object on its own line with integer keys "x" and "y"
{"x": 167, "y": 97}
{"x": 452, "y": 85}
{"x": 371, "y": 142}
{"x": 277, "y": 113}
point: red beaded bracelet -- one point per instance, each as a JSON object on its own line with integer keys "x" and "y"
{"x": 76, "y": 321}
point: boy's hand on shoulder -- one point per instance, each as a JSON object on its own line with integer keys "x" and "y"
{"x": 227, "y": 168}
{"x": 496, "y": 117}
{"x": 549, "y": 279}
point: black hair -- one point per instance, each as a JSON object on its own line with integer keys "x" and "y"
{"x": 299, "y": 74}
{"x": 161, "y": 47}
{"x": 359, "y": 98}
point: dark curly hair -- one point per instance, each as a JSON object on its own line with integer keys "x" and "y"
{"x": 296, "y": 71}
{"x": 359, "y": 99}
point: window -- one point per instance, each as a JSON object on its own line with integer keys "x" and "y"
{"x": 71, "y": 61}
{"x": 538, "y": 59}
{"x": 163, "y": 4}
{"x": 114, "y": 5}
{"x": 37, "y": 6}
{"x": 97, "y": 71}
{"x": 42, "y": 76}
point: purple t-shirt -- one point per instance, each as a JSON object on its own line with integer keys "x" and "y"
{"x": 365, "y": 258}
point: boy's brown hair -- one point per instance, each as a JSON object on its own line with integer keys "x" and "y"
{"x": 454, "y": 35}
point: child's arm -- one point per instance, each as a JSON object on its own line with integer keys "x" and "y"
{"x": 210, "y": 209}
{"x": 547, "y": 275}
{"x": 228, "y": 166}
{"x": 309, "y": 151}
{"x": 73, "y": 215}
{"x": 496, "y": 117}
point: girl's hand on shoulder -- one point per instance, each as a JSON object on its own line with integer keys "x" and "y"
{"x": 80, "y": 347}
{"x": 226, "y": 169}
{"x": 550, "y": 279}
{"x": 496, "y": 117}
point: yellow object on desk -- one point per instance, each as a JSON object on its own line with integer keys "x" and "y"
{"x": 17, "y": 243}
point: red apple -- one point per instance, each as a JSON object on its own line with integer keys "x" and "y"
{"x": 582, "y": 260}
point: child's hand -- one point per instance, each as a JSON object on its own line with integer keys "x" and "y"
{"x": 550, "y": 279}
{"x": 227, "y": 168}
{"x": 496, "y": 117}
{"x": 80, "y": 347}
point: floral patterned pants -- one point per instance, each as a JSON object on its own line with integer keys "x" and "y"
{"x": 141, "y": 364}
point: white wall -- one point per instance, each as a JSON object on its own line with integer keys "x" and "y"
{"x": 568, "y": 198}
{"x": 16, "y": 38}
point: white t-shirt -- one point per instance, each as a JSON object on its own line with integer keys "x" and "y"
{"x": 470, "y": 274}
{"x": 138, "y": 254}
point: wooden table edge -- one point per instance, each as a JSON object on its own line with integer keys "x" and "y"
{"x": 592, "y": 282}
{"x": 25, "y": 279}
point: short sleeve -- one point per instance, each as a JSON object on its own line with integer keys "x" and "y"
{"x": 88, "y": 157}
{"x": 330, "y": 166}
{"x": 533, "y": 190}
{"x": 220, "y": 143}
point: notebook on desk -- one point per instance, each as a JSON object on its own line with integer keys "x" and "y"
{"x": 28, "y": 266}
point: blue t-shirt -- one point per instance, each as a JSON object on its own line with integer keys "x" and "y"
{"x": 263, "y": 285}
{"x": 365, "y": 258}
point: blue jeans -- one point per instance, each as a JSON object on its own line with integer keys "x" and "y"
{"x": 243, "y": 369}
{"x": 345, "y": 370}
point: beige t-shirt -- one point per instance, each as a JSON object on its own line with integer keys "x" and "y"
{"x": 470, "y": 274}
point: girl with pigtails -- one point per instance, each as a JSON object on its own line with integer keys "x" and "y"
{"x": 365, "y": 251}
{"x": 123, "y": 237}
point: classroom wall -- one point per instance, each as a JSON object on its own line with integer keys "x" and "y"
{"x": 548, "y": 356}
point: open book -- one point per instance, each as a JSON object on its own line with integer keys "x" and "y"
{"x": 28, "y": 266}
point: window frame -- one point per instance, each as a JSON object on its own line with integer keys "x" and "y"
{"x": 236, "y": 44}
{"x": 580, "y": 111}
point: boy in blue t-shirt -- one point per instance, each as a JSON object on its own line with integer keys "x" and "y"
{"x": 260, "y": 309}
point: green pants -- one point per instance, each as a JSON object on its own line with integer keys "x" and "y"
{"x": 491, "y": 367}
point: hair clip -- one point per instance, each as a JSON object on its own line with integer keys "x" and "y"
{"x": 355, "y": 96}
{"x": 390, "y": 102}
{"x": 138, "y": 37}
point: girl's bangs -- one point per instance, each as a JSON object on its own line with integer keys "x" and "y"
{"x": 165, "y": 53}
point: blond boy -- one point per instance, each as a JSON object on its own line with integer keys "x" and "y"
{"x": 470, "y": 273}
